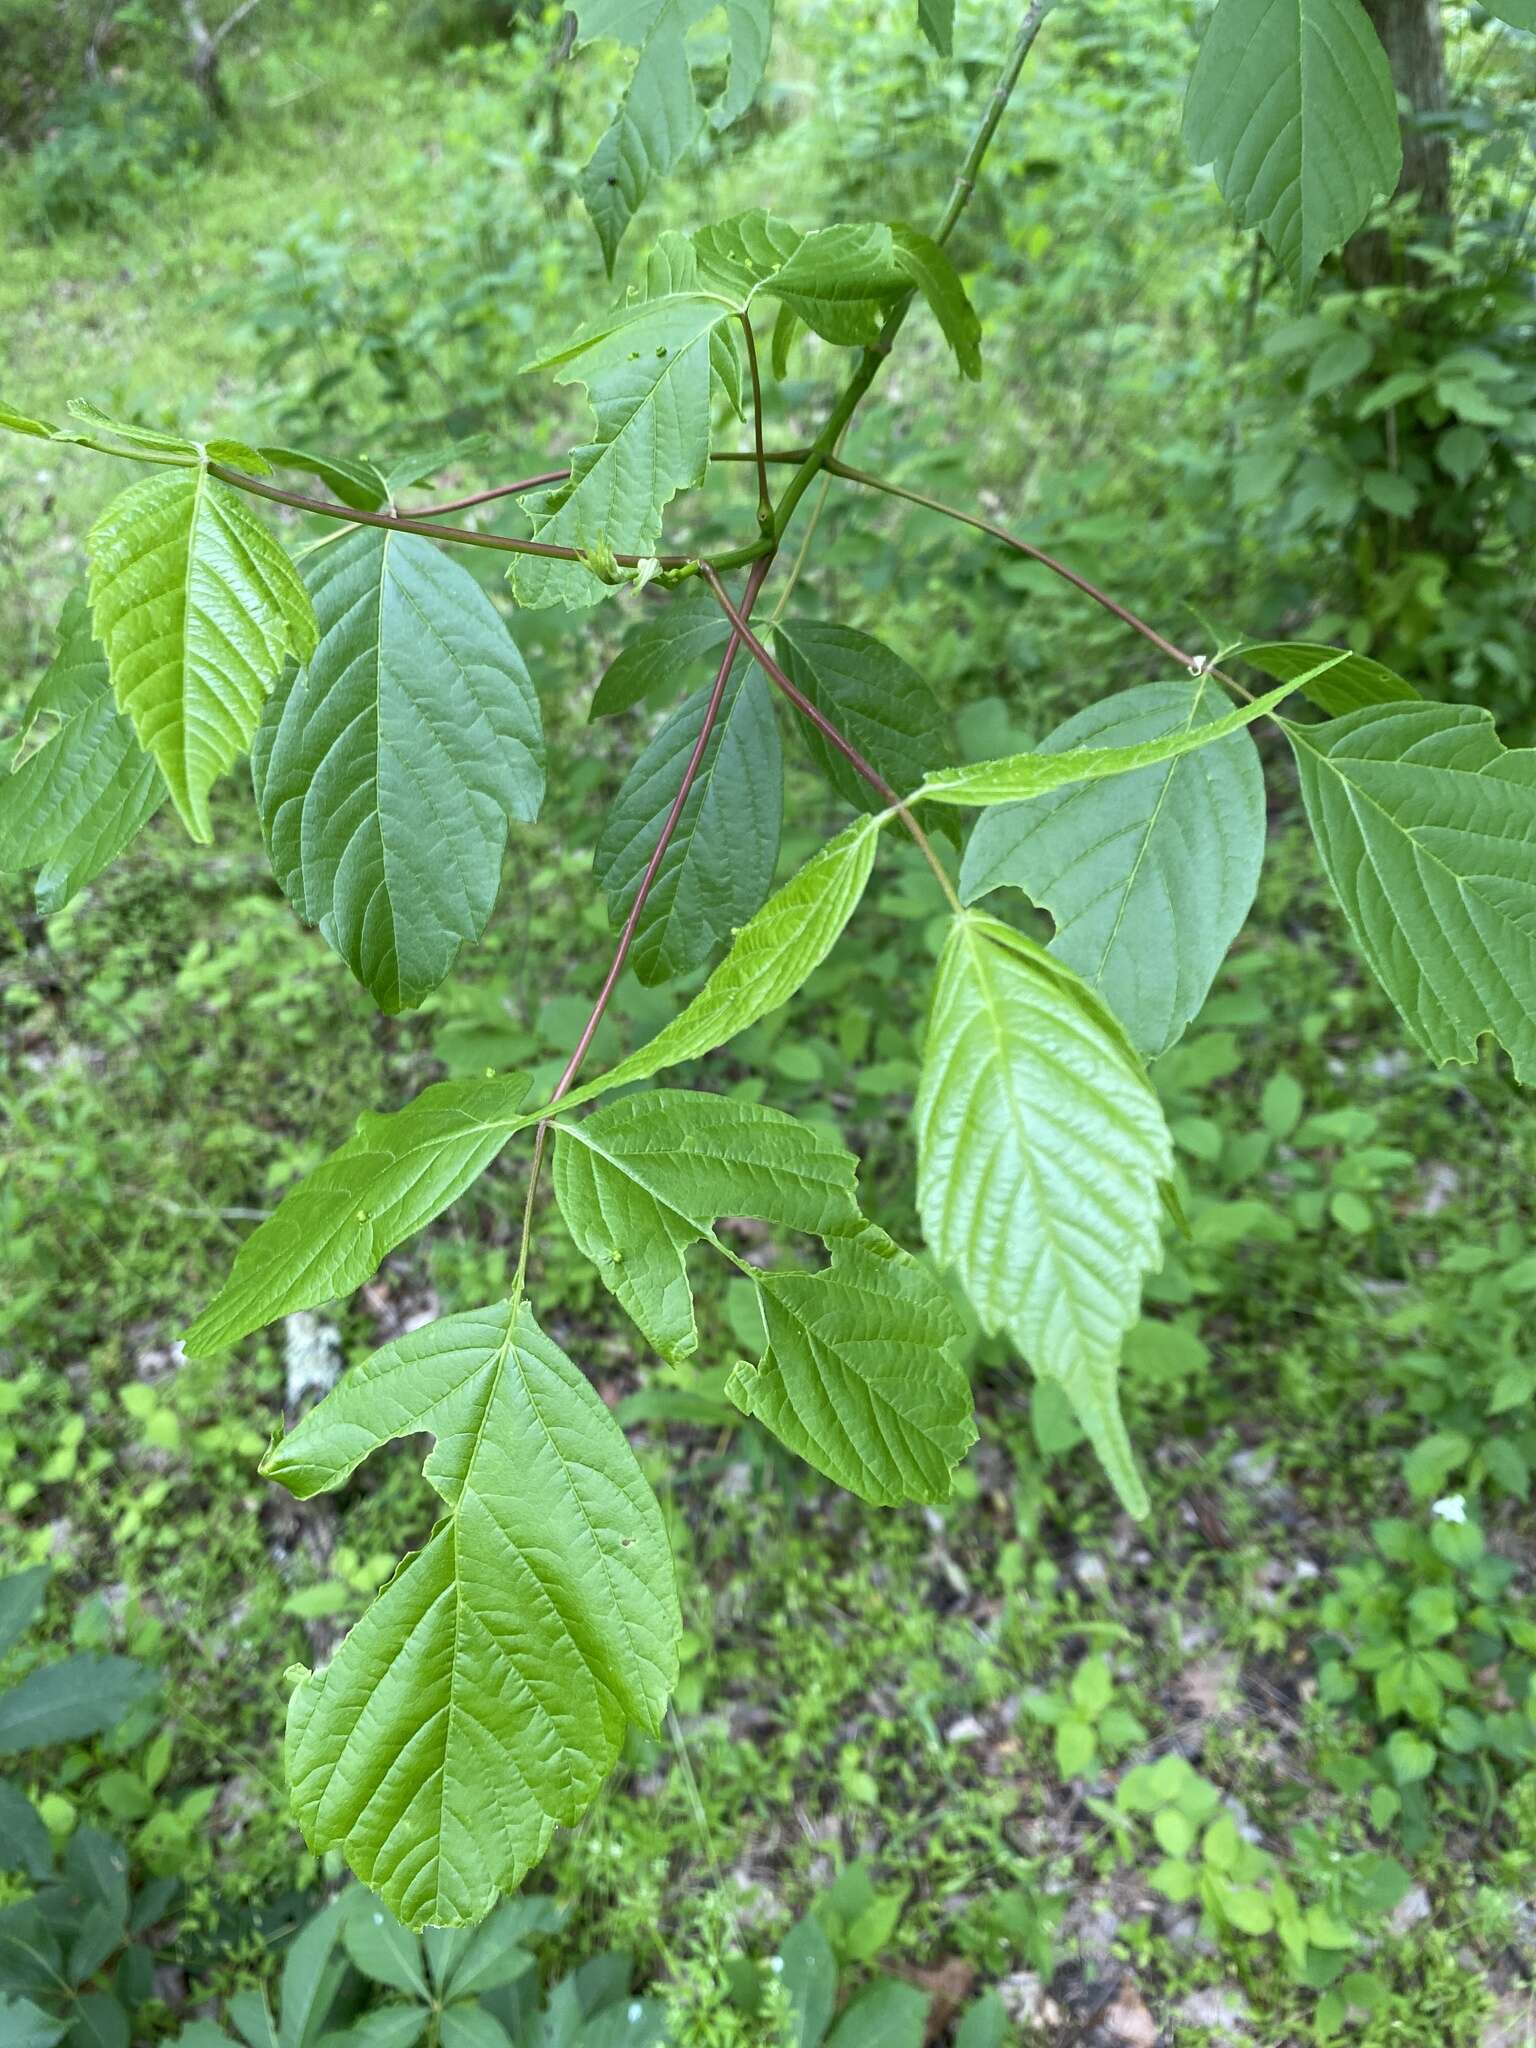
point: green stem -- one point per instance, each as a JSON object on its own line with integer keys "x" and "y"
{"x": 764, "y": 498}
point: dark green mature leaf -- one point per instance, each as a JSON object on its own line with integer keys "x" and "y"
{"x": 936, "y": 19}
{"x": 659, "y": 117}
{"x": 1426, "y": 825}
{"x": 688, "y": 629}
{"x": 1293, "y": 102}
{"x": 1518, "y": 13}
{"x": 196, "y": 606}
{"x": 72, "y": 805}
{"x": 381, "y": 1948}
{"x": 642, "y": 1180}
{"x": 386, "y": 770}
{"x": 886, "y": 2014}
{"x": 331, "y": 1232}
{"x": 354, "y": 483}
{"x": 1148, "y": 877}
{"x": 482, "y": 1698}
{"x": 861, "y": 1376}
{"x": 21, "y": 1602}
{"x": 772, "y": 956}
{"x": 1041, "y": 1154}
{"x": 25, "y": 2025}
{"x": 647, "y": 371}
{"x": 1342, "y": 685}
{"x": 873, "y": 697}
{"x": 25, "y": 1844}
{"x": 718, "y": 866}
{"x": 1018, "y": 777}
{"x": 67, "y": 1701}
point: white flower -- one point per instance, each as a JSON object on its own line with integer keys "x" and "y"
{"x": 1452, "y": 1509}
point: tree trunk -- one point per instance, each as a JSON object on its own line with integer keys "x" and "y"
{"x": 1413, "y": 35}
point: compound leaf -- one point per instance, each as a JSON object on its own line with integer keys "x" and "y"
{"x": 873, "y": 696}
{"x": 74, "y": 802}
{"x": 1018, "y": 777}
{"x": 660, "y": 117}
{"x": 387, "y": 768}
{"x": 331, "y": 1233}
{"x": 1293, "y": 102}
{"x": 771, "y": 957}
{"x": 1148, "y": 877}
{"x": 196, "y": 606}
{"x": 1041, "y": 1153}
{"x": 1426, "y": 825}
{"x": 647, "y": 372}
{"x": 719, "y": 862}
{"x": 861, "y": 1376}
{"x": 482, "y": 1698}
{"x": 645, "y": 1178}
{"x": 1334, "y": 681}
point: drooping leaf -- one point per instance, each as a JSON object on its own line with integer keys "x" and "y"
{"x": 74, "y": 802}
{"x": 873, "y": 697}
{"x": 1041, "y": 1151}
{"x": 1018, "y": 777}
{"x": 387, "y": 768}
{"x": 771, "y": 957}
{"x": 350, "y": 481}
{"x": 936, "y": 19}
{"x": 1148, "y": 877}
{"x": 483, "y": 1696}
{"x": 647, "y": 374}
{"x": 841, "y": 281}
{"x": 687, "y": 630}
{"x": 1426, "y": 825}
{"x": 660, "y": 117}
{"x": 861, "y": 1376}
{"x": 1344, "y": 685}
{"x": 718, "y": 866}
{"x": 331, "y": 1233}
{"x": 642, "y": 1180}
{"x": 931, "y": 270}
{"x": 21, "y": 1602}
{"x": 196, "y": 606}
{"x": 1293, "y": 102}
{"x": 69, "y": 1700}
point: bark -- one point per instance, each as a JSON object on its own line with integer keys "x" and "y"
{"x": 1412, "y": 33}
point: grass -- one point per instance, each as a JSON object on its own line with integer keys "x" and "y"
{"x": 176, "y": 1051}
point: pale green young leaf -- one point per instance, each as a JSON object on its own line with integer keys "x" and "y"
{"x": 22, "y": 423}
{"x": 1293, "y": 102}
{"x": 875, "y": 698}
{"x": 1018, "y": 777}
{"x": 482, "y": 1699}
{"x": 861, "y": 1375}
{"x": 771, "y": 957}
{"x": 331, "y": 1232}
{"x": 936, "y": 19}
{"x": 1334, "y": 681}
{"x": 91, "y": 415}
{"x": 1149, "y": 876}
{"x": 644, "y": 1179}
{"x": 718, "y": 866}
{"x": 71, "y": 805}
{"x": 1041, "y": 1151}
{"x": 196, "y": 606}
{"x": 648, "y": 379}
{"x": 660, "y": 117}
{"x": 387, "y": 768}
{"x": 685, "y": 631}
{"x": 1426, "y": 825}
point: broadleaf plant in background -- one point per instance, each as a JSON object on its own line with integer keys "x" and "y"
{"x": 396, "y": 750}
